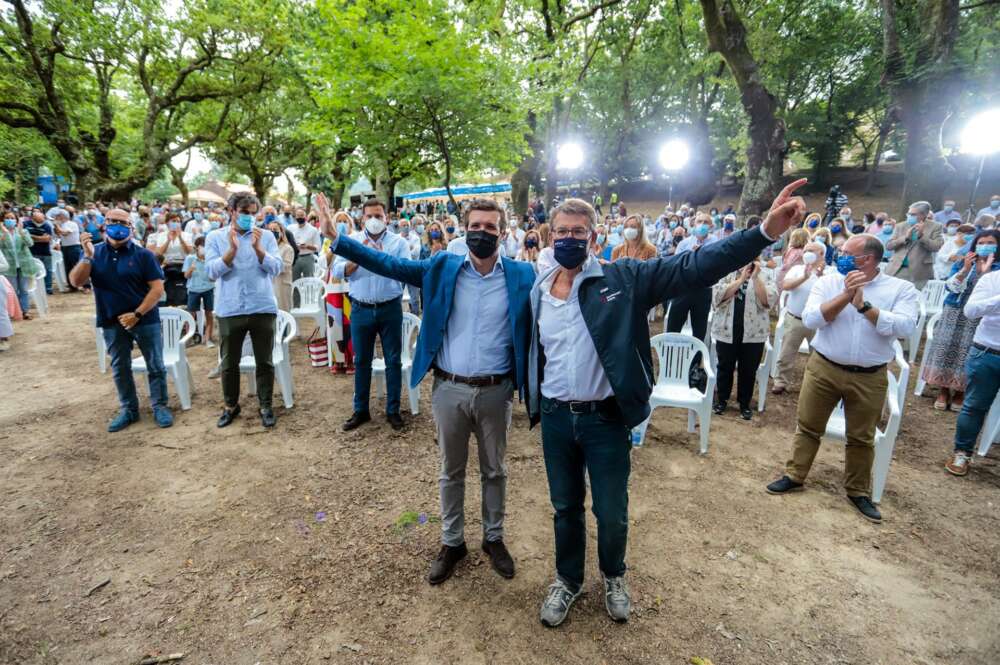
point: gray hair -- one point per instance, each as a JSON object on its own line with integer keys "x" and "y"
{"x": 985, "y": 221}
{"x": 579, "y": 208}
{"x": 923, "y": 207}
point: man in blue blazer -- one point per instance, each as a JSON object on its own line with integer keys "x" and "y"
{"x": 474, "y": 336}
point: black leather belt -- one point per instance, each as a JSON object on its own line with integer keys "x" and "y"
{"x": 792, "y": 315}
{"x": 857, "y": 369}
{"x": 474, "y": 381}
{"x": 987, "y": 349}
{"x": 372, "y": 305}
{"x": 583, "y": 407}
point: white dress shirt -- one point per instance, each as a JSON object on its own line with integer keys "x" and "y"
{"x": 797, "y": 297}
{"x": 692, "y": 241}
{"x": 366, "y": 286}
{"x": 850, "y": 339}
{"x": 573, "y": 372}
{"x": 984, "y": 304}
{"x": 305, "y": 234}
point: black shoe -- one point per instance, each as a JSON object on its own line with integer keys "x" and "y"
{"x": 395, "y": 420}
{"x": 866, "y": 508}
{"x": 267, "y": 418}
{"x": 355, "y": 421}
{"x": 784, "y": 485}
{"x": 499, "y": 557}
{"x": 718, "y": 408}
{"x": 444, "y": 564}
{"x": 228, "y": 416}
{"x": 746, "y": 413}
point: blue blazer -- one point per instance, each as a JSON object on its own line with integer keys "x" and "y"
{"x": 436, "y": 276}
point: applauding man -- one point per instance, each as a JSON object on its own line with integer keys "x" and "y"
{"x": 245, "y": 259}
{"x": 590, "y": 376}
{"x": 128, "y": 284}
{"x": 475, "y": 337}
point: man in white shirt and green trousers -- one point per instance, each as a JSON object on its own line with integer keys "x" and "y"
{"x": 857, "y": 313}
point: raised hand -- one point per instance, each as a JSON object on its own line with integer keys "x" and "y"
{"x": 326, "y": 226}
{"x": 786, "y": 211}
{"x": 257, "y": 234}
{"x": 234, "y": 239}
{"x": 854, "y": 281}
{"x": 968, "y": 262}
{"x": 88, "y": 245}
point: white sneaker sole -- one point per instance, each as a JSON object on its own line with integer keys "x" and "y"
{"x": 565, "y": 614}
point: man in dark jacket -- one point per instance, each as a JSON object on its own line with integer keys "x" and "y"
{"x": 590, "y": 376}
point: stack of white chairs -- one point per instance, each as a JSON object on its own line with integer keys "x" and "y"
{"x": 675, "y": 352}
{"x": 38, "y": 295}
{"x": 931, "y": 302}
{"x": 885, "y": 439}
{"x": 312, "y": 292}
{"x": 280, "y": 357}
{"x": 59, "y": 277}
{"x": 411, "y": 328}
{"x": 173, "y": 322}
{"x": 102, "y": 349}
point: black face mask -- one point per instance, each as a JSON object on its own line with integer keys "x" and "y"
{"x": 300, "y": 220}
{"x": 482, "y": 244}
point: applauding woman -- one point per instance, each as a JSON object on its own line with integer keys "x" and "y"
{"x": 944, "y": 366}
{"x": 635, "y": 246}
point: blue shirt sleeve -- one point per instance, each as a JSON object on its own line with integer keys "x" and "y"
{"x": 149, "y": 267}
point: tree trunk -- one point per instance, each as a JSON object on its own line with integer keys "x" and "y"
{"x": 885, "y": 128}
{"x": 259, "y": 186}
{"x": 727, "y": 36}
{"x": 337, "y": 195}
{"x": 340, "y": 172}
{"x": 291, "y": 190}
{"x": 527, "y": 172}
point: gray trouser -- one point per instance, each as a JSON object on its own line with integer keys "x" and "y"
{"x": 304, "y": 266}
{"x": 461, "y": 410}
{"x": 795, "y": 332}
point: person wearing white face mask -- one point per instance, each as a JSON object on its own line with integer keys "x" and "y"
{"x": 635, "y": 246}
{"x": 798, "y": 282}
{"x": 951, "y": 248}
{"x": 376, "y": 310}
{"x": 993, "y": 209}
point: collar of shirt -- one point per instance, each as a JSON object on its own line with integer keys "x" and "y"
{"x": 468, "y": 267}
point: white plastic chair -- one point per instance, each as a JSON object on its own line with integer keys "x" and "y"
{"x": 38, "y": 295}
{"x": 311, "y": 301}
{"x": 931, "y": 325}
{"x": 674, "y": 353}
{"x": 764, "y": 373}
{"x": 411, "y": 327}
{"x": 280, "y": 357}
{"x": 885, "y": 440}
{"x": 933, "y": 295}
{"x": 59, "y": 271}
{"x": 913, "y": 343}
{"x": 688, "y": 330}
{"x": 991, "y": 428}
{"x": 173, "y": 320}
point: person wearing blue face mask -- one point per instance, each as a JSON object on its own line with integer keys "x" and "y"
{"x": 858, "y": 312}
{"x": 953, "y": 248}
{"x": 128, "y": 284}
{"x": 993, "y": 209}
{"x": 947, "y": 213}
{"x": 914, "y": 245}
{"x": 590, "y": 378}
{"x": 945, "y": 358}
{"x": 15, "y": 244}
{"x": 812, "y": 222}
{"x": 244, "y": 259}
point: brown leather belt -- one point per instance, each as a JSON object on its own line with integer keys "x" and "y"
{"x": 857, "y": 369}
{"x": 474, "y": 381}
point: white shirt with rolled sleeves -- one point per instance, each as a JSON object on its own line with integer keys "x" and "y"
{"x": 305, "y": 234}
{"x": 366, "y": 286}
{"x": 573, "y": 371}
{"x": 799, "y": 296}
{"x": 851, "y": 339}
{"x": 984, "y": 304}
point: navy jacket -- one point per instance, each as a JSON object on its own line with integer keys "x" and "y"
{"x": 615, "y": 299}
{"x": 436, "y": 276}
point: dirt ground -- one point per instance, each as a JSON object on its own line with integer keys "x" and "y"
{"x": 307, "y": 545}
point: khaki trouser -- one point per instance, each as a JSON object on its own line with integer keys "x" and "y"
{"x": 795, "y": 332}
{"x": 823, "y": 386}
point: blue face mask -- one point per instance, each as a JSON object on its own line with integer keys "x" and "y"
{"x": 569, "y": 252}
{"x": 601, "y": 238}
{"x": 118, "y": 231}
{"x": 845, "y": 264}
{"x": 213, "y": 225}
{"x": 10, "y": 223}
{"x": 435, "y": 234}
{"x": 198, "y": 216}
{"x": 887, "y": 230}
{"x": 701, "y": 230}
{"x": 342, "y": 228}
{"x": 672, "y": 225}
{"x": 728, "y": 226}
{"x": 420, "y": 229}
{"x": 969, "y": 237}
{"x": 949, "y": 208}
{"x": 835, "y": 228}
{"x": 911, "y": 220}
{"x": 269, "y": 217}
{"x": 986, "y": 250}
{"x": 995, "y": 204}
{"x": 244, "y": 221}
{"x": 450, "y": 229}
{"x": 813, "y": 223}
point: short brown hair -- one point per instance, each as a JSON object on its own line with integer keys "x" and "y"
{"x": 371, "y": 203}
{"x": 242, "y": 200}
{"x": 577, "y": 207}
{"x": 487, "y": 205}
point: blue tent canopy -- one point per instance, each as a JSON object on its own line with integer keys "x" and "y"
{"x": 460, "y": 190}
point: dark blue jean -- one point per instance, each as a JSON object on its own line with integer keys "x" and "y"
{"x": 71, "y": 256}
{"x": 20, "y": 284}
{"x": 386, "y": 321}
{"x": 982, "y": 370}
{"x": 149, "y": 338}
{"x": 599, "y": 444}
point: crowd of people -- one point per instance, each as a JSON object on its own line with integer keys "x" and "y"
{"x": 552, "y": 305}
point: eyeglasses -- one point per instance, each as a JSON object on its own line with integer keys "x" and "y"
{"x": 578, "y": 233}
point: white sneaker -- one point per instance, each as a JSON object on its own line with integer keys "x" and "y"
{"x": 214, "y": 374}
{"x": 4, "y": 344}
{"x": 210, "y": 344}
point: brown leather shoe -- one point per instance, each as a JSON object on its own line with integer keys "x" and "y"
{"x": 502, "y": 562}
{"x": 444, "y": 564}
{"x": 958, "y": 464}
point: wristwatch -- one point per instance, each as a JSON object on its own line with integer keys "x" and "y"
{"x": 865, "y": 306}
{"x": 137, "y": 314}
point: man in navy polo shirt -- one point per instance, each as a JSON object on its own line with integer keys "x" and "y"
{"x": 128, "y": 285}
